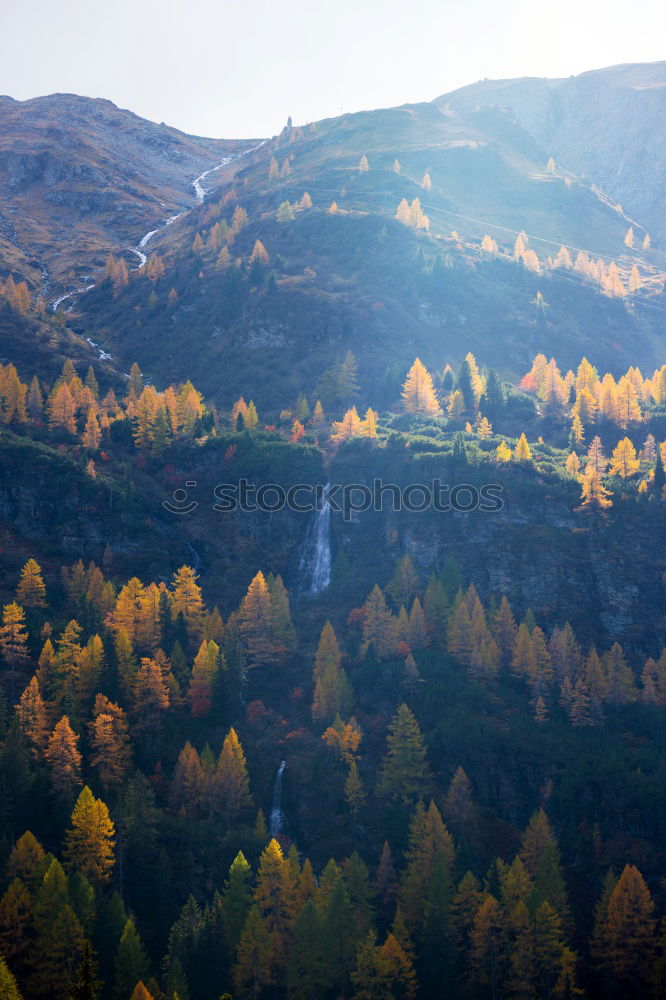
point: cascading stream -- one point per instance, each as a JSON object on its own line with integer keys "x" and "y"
{"x": 315, "y": 564}
{"x": 277, "y": 816}
{"x": 138, "y": 250}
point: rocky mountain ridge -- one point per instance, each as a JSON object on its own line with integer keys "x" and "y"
{"x": 603, "y": 123}
{"x": 80, "y": 177}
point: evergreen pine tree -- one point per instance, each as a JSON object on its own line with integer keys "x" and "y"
{"x": 131, "y": 963}
{"x": 308, "y": 972}
{"x": 404, "y": 771}
{"x": 231, "y": 782}
{"x": 254, "y": 957}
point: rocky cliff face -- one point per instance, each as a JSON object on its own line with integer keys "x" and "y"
{"x": 604, "y": 124}
{"x": 605, "y": 575}
{"x": 602, "y": 574}
{"x": 52, "y": 509}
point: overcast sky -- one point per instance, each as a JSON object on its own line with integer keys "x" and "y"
{"x": 238, "y": 68}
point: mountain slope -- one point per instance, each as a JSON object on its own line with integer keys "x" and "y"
{"x": 605, "y": 124}
{"x": 89, "y": 178}
{"x": 81, "y": 177}
{"x": 359, "y": 279}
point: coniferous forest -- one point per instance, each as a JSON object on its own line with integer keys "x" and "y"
{"x": 363, "y": 750}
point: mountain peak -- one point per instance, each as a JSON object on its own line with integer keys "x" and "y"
{"x": 598, "y": 124}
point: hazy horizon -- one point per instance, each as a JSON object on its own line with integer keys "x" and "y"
{"x": 215, "y": 74}
{"x": 258, "y": 135}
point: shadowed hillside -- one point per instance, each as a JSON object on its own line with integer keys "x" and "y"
{"x": 338, "y": 271}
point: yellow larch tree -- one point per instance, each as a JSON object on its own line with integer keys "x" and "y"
{"x": 349, "y": 427}
{"x": 594, "y": 495}
{"x": 627, "y": 408}
{"x": 92, "y": 436}
{"x": 144, "y": 416}
{"x": 231, "y": 783}
{"x": 62, "y": 409}
{"x": 634, "y": 280}
{"x": 127, "y": 610}
{"x": 271, "y": 896}
{"x": 186, "y": 600}
{"x": 63, "y": 757}
{"x": 532, "y": 263}
{"x": 596, "y": 460}
{"x": 13, "y": 637}
{"x": 456, "y": 406}
{"x": 573, "y": 464}
{"x": 553, "y": 391}
{"x": 89, "y": 842}
{"x": 625, "y": 933}
{"x": 369, "y": 423}
{"x": 522, "y": 452}
{"x": 239, "y": 409}
{"x": 378, "y": 625}
{"x": 328, "y": 651}
{"x": 577, "y": 431}
{"x": 484, "y": 428}
{"x": 32, "y": 717}
{"x": 259, "y": 253}
{"x": 255, "y": 615}
{"x": 520, "y": 246}
{"x": 203, "y": 678}
{"x": 402, "y": 212}
{"x": 563, "y": 259}
{"x": 612, "y": 283}
{"x": 31, "y": 592}
{"x": 141, "y": 992}
{"x": 417, "y": 217}
{"x": 111, "y": 749}
{"x": 587, "y": 377}
{"x": 223, "y": 260}
{"x": 585, "y": 407}
{"x": 418, "y": 393}
{"x": 239, "y": 219}
{"x": 624, "y": 461}
{"x": 344, "y": 738}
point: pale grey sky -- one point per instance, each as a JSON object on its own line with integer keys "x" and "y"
{"x": 238, "y": 68}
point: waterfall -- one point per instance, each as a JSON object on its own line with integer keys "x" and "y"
{"x": 321, "y": 564}
{"x": 196, "y": 558}
{"x": 277, "y": 816}
{"x": 200, "y": 195}
{"x": 196, "y": 183}
{"x": 315, "y": 564}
